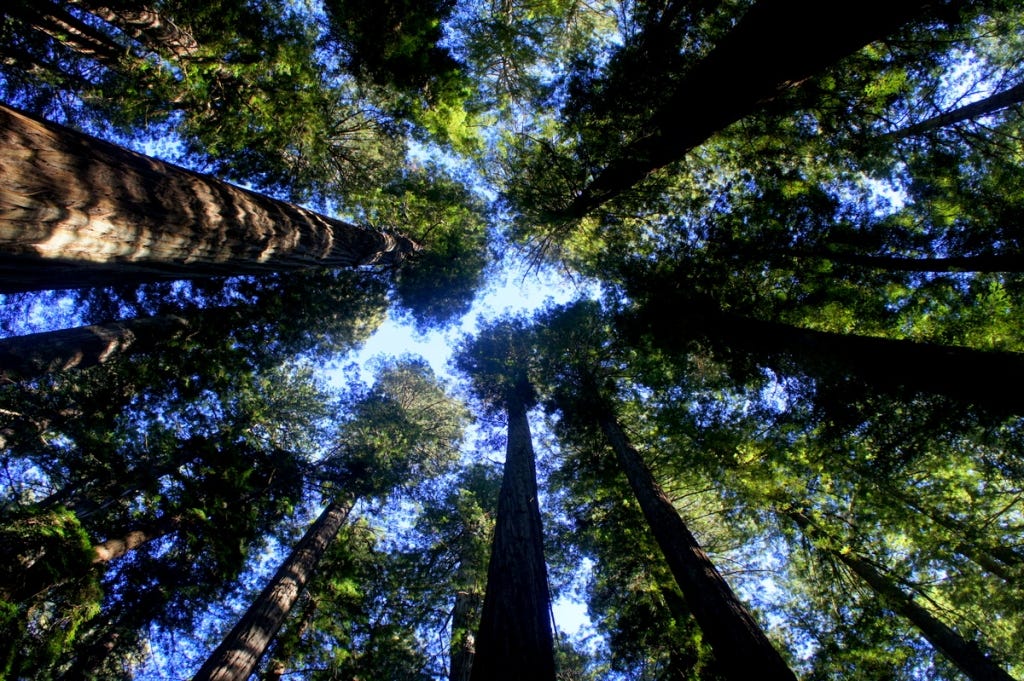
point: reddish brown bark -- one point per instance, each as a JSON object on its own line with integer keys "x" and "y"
{"x": 741, "y": 648}
{"x": 29, "y": 356}
{"x": 116, "y": 547}
{"x": 515, "y": 640}
{"x": 76, "y": 211}
{"x": 240, "y": 651}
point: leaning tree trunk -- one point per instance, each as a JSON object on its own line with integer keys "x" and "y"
{"x": 966, "y": 655}
{"x": 120, "y": 545}
{"x": 32, "y": 355}
{"x": 76, "y": 212}
{"x": 895, "y": 366}
{"x": 775, "y": 46}
{"x": 741, "y": 648}
{"x": 515, "y": 640}
{"x": 55, "y": 21}
{"x": 146, "y": 25}
{"x": 982, "y": 107}
{"x": 240, "y": 651}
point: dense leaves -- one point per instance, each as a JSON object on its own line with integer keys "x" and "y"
{"x": 798, "y": 230}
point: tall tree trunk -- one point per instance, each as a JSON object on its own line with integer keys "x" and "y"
{"x": 776, "y": 46}
{"x": 145, "y": 25}
{"x": 32, "y": 355}
{"x": 240, "y": 651}
{"x": 966, "y": 655}
{"x": 741, "y": 648}
{"x": 982, "y": 107}
{"x": 76, "y": 212}
{"x": 55, "y": 21}
{"x": 515, "y": 640}
{"x": 878, "y": 364}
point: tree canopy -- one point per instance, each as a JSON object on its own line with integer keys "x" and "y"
{"x": 769, "y": 425}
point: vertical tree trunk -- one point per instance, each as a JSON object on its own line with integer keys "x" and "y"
{"x": 240, "y": 651}
{"x": 741, "y": 649}
{"x": 463, "y": 645}
{"x": 515, "y": 640}
{"x": 76, "y": 211}
{"x": 32, "y": 355}
{"x": 966, "y": 655}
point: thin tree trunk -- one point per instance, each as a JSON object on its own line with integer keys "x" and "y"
{"x": 966, "y": 655}
{"x": 515, "y": 640}
{"x": 741, "y": 648}
{"x": 464, "y": 616}
{"x": 77, "y": 212}
{"x": 240, "y": 651}
{"x": 281, "y": 654}
{"x": 776, "y": 46}
{"x": 1008, "y": 262}
{"x": 982, "y": 107}
{"x": 119, "y": 546}
{"x": 145, "y": 25}
{"x": 83, "y": 498}
{"x": 1002, "y": 561}
{"x": 32, "y": 355}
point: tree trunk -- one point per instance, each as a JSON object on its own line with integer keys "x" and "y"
{"x": 898, "y": 367}
{"x": 145, "y": 25}
{"x": 116, "y": 547}
{"x": 996, "y": 262}
{"x": 742, "y": 650}
{"x": 240, "y": 651}
{"x": 515, "y": 641}
{"x": 982, "y": 107}
{"x": 966, "y": 655}
{"x": 464, "y": 615}
{"x": 67, "y": 29}
{"x": 77, "y": 212}
{"x": 776, "y": 45}
{"x": 32, "y": 355}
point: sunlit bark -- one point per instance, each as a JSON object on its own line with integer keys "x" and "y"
{"x": 76, "y": 211}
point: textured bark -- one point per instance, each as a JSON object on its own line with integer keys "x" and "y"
{"x": 67, "y": 29}
{"x": 240, "y": 651}
{"x": 982, "y": 107}
{"x": 741, "y": 648}
{"x": 116, "y": 547}
{"x": 464, "y": 643}
{"x": 145, "y": 25}
{"x": 515, "y": 640}
{"x": 76, "y": 212}
{"x": 966, "y": 655}
{"x": 32, "y": 355}
{"x": 776, "y": 46}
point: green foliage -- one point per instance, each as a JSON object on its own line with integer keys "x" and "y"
{"x": 49, "y": 589}
{"x": 435, "y": 285}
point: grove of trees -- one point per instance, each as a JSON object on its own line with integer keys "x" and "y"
{"x": 771, "y": 428}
